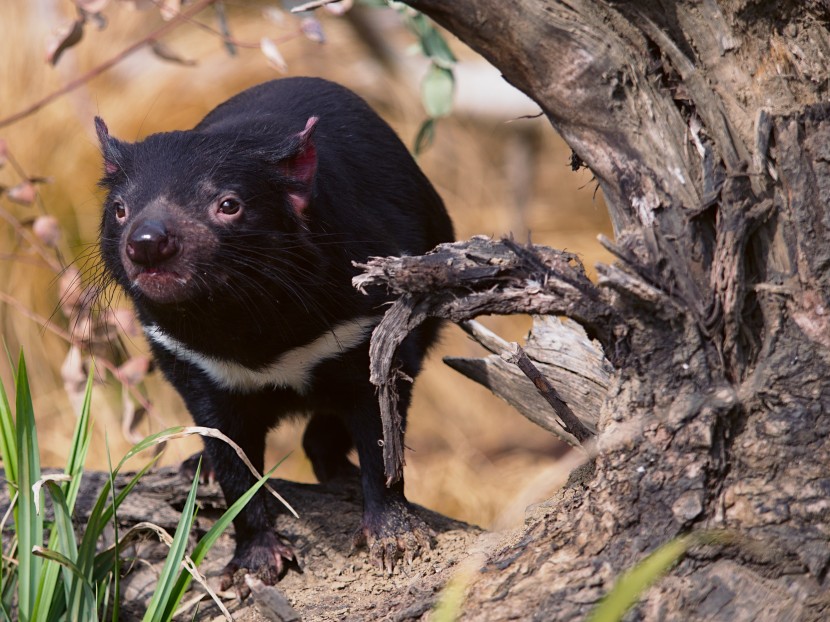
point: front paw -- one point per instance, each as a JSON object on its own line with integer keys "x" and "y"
{"x": 391, "y": 533}
{"x": 265, "y": 556}
{"x": 188, "y": 467}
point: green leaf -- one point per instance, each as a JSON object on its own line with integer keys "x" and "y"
{"x": 437, "y": 91}
{"x": 146, "y": 443}
{"x": 79, "y": 448}
{"x": 96, "y": 568}
{"x": 8, "y": 436}
{"x": 28, "y": 522}
{"x": 208, "y": 540}
{"x": 435, "y": 47}
{"x": 8, "y": 453}
{"x": 425, "y": 136}
{"x": 68, "y": 494}
{"x": 104, "y": 562}
{"x": 65, "y": 544}
{"x": 167, "y": 579}
{"x": 451, "y": 600}
{"x": 67, "y": 563}
{"x": 633, "y": 583}
{"x": 116, "y": 562}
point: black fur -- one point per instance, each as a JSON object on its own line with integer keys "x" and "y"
{"x": 249, "y": 285}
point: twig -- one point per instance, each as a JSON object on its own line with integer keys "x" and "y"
{"x": 96, "y": 71}
{"x": 70, "y": 339}
{"x": 226, "y": 37}
{"x": 310, "y": 6}
{"x": 570, "y": 421}
{"x": 24, "y": 233}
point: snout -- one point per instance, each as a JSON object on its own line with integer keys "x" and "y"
{"x": 162, "y": 250}
{"x": 150, "y": 244}
{"x": 153, "y": 259}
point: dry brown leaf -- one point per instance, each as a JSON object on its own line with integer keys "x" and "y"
{"x": 23, "y": 193}
{"x": 63, "y": 39}
{"x": 73, "y": 373}
{"x": 312, "y": 29}
{"x": 47, "y": 230}
{"x": 125, "y": 321}
{"x": 134, "y": 370}
{"x": 339, "y": 8}
{"x": 140, "y": 5}
{"x": 273, "y": 54}
{"x": 165, "y": 52}
{"x": 91, "y": 6}
{"x": 70, "y": 290}
{"x": 170, "y": 9}
{"x": 131, "y": 417}
{"x": 274, "y": 15}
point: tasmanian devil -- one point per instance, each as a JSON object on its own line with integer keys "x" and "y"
{"x": 235, "y": 242}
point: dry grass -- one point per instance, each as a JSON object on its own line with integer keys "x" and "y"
{"x": 471, "y": 455}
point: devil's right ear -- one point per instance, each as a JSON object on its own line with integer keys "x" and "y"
{"x": 111, "y": 148}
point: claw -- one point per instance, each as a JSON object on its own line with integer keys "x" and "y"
{"x": 394, "y": 533}
{"x": 265, "y": 556}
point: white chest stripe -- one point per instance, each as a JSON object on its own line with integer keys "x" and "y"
{"x": 291, "y": 369}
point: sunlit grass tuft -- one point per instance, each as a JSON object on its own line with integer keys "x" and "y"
{"x": 50, "y": 574}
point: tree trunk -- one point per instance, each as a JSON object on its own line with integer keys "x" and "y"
{"x": 704, "y": 124}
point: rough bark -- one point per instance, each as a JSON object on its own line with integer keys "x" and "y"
{"x": 704, "y": 124}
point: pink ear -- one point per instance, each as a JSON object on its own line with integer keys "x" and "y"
{"x": 302, "y": 167}
{"x": 108, "y": 147}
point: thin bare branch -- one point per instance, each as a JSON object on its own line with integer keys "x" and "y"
{"x": 108, "y": 64}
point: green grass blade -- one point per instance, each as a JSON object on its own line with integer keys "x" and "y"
{"x": 66, "y": 545}
{"x": 86, "y": 551}
{"x": 109, "y": 511}
{"x": 633, "y": 583}
{"x": 153, "y": 439}
{"x": 79, "y": 448}
{"x": 48, "y": 582}
{"x": 104, "y": 561}
{"x": 167, "y": 579}
{"x": 9, "y": 586}
{"x": 207, "y": 541}
{"x": 68, "y": 493}
{"x": 67, "y": 563}
{"x": 5, "y": 613}
{"x": 116, "y": 570}
{"x": 29, "y": 524}
{"x": 8, "y": 438}
{"x": 8, "y": 453}
{"x": 96, "y": 567}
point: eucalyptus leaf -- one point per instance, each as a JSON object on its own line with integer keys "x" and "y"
{"x": 437, "y": 91}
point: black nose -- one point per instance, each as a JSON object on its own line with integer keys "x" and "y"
{"x": 150, "y": 244}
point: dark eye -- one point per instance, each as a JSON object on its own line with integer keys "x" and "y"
{"x": 229, "y": 206}
{"x": 120, "y": 210}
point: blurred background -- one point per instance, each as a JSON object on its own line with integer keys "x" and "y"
{"x": 498, "y": 165}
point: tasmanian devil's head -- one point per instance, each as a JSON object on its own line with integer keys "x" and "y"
{"x": 190, "y": 213}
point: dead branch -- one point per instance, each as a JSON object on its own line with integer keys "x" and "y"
{"x": 463, "y": 280}
{"x": 570, "y": 421}
{"x": 561, "y": 351}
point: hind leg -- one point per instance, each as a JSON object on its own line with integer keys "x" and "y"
{"x": 327, "y": 443}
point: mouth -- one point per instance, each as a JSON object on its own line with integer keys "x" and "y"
{"x": 162, "y": 286}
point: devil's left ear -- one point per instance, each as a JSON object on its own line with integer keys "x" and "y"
{"x": 301, "y": 167}
{"x": 110, "y": 148}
